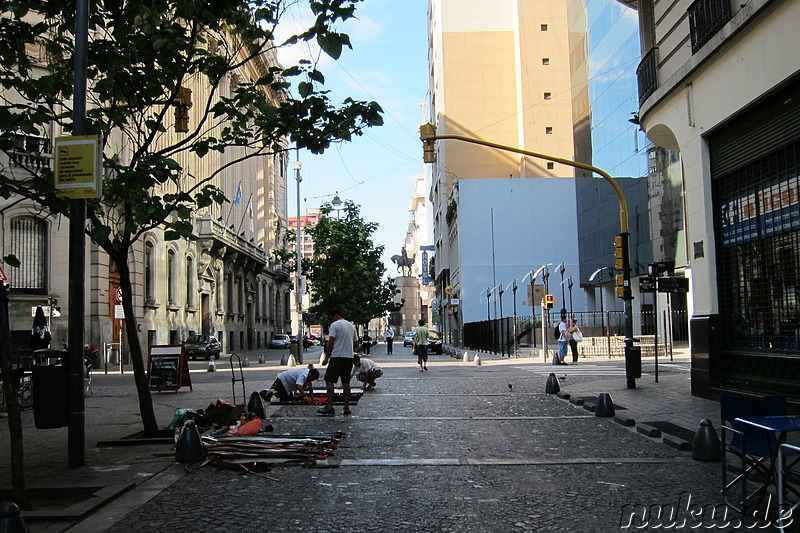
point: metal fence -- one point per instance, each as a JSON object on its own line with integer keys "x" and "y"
{"x": 602, "y": 333}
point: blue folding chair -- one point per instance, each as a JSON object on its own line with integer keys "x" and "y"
{"x": 752, "y": 446}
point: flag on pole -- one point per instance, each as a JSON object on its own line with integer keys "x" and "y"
{"x": 238, "y": 199}
{"x": 250, "y": 214}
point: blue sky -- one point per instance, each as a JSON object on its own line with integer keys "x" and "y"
{"x": 388, "y": 64}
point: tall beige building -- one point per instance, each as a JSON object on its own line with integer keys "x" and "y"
{"x": 511, "y": 72}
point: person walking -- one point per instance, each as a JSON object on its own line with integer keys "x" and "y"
{"x": 575, "y": 336}
{"x": 563, "y": 340}
{"x": 342, "y": 340}
{"x": 421, "y": 343}
{"x": 389, "y": 334}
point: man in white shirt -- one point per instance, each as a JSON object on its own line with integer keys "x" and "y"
{"x": 389, "y": 338}
{"x": 339, "y": 350}
{"x": 292, "y": 384}
{"x": 366, "y": 371}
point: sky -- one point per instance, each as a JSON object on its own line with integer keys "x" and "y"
{"x": 377, "y": 171}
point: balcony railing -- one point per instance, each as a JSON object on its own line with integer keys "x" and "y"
{"x": 706, "y": 18}
{"x": 647, "y": 74}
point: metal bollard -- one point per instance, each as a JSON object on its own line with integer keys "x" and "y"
{"x": 11, "y": 520}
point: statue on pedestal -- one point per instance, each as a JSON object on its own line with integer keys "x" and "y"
{"x": 403, "y": 262}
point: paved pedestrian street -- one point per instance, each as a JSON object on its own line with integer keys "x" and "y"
{"x": 455, "y": 449}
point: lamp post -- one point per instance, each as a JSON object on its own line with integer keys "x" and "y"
{"x": 514, "y": 326}
{"x": 298, "y": 270}
{"x": 599, "y": 275}
{"x": 633, "y": 367}
{"x": 545, "y": 276}
{"x": 568, "y": 281}
{"x": 336, "y": 203}
{"x": 500, "y": 322}
{"x": 561, "y": 270}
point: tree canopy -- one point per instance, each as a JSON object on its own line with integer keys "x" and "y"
{"x": 346, "y": 269}
{"x": 142, "y": 56}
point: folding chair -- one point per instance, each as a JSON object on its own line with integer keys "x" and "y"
{"x": 752, "y": 446}
{"x": 787, "y": 471}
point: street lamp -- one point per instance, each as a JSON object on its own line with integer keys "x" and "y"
{"x": 599, "y": 275}
{"x": 500, "y": 323}
{"x": 298, "y": 270}
{"x": 336, "y": 203}
{"x": 569, "y": 286}
{"x": 561, "y": 270}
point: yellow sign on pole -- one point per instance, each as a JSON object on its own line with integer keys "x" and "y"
{"x": 77, "y": 164}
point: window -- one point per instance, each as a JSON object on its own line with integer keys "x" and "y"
{"x": 149, "y": 257}
{"x": 29, "y": 245}
{"x": 230, "y": 293}
{"x": 548, "y": 96}
{"x": 544, "y": 27}
{"x": 551, "y": 166}
{"x": 548, "y": 130}
{"x": 545, "y": 61}
{"x": 240, "y": 295}
{"x": 190, "y": 282}
{"x": 171, "y": 277}
{"x": 218, "y": 291}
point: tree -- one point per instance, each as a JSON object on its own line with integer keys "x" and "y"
{"x": 346, "y": 268}
{"x": 141, "y": 59}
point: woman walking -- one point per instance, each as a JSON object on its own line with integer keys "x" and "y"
{"x": 575, "y": 336}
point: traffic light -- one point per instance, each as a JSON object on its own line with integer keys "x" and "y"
{"x": 622, "y": 290}
{"x": 620, "y": 252}
{"x": 427, "y": 133}
{"x": 182, "y": 104}
{"x": 548, "y": 301}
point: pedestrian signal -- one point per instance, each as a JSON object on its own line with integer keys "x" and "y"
{"x": 548, "y": 301}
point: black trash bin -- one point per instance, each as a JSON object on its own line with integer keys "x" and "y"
{"x": 50, "y": 399}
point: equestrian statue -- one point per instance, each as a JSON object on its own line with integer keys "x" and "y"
{"x": 403, "y": 261}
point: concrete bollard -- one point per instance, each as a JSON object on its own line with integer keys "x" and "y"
{"x": 261, "y": 359}
{"x": 706, "y": 445}
{"x": 466, "y": 358}
{"x": 605, "y": 405}
{"x": 211, "y": 367}
{"x": 552, "y": 386}
{"x": 245, "y": 362}
{"x": 477, "y": 360}
{"x": 11, "y": 520}
{"x": 292, "y": 361}
{"x": 189, "y": 446}
{"x": 284, "y": 359}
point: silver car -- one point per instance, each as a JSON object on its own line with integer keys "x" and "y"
{"x": 279, "y": 340}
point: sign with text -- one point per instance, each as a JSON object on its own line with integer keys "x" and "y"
{"x": 167, "y": 368}
{"x": 77, "y": 166}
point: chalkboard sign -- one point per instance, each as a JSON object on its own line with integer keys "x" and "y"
{"x": 167, "y": 368}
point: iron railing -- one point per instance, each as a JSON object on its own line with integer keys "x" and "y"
{"x": 602, "y": 333}
{"x": 647, "y": 75}
{"x": 706, "y": 18}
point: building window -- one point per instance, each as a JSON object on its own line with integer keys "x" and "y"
{"x": 271, "y": 302}
{"x": 230, "y": 292}
{"x": 544, "y": 27}
{"x": 190, "y": 282}
{"x": 29, "y": 245}
{"x": 171, "y": 277}
{"x": 257, "y": 300}
{"x": 545, "y": 61}
{"x": 548, "y": 96}
{"x": 551, "y": 166}
{"x": 548, "y": 130}
{"x": 149, "y": 258}
{"x": 240, "y": 295}
{"x": 218, "y": 289}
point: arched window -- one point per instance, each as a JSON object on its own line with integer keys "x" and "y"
{"x": 171, "y": 277}
{"x": 149, "y": 267}
{"x": 257, "y": 298}
{"x": 271, "y": 302}
{"x": 190, "y": 282}
{"x": 264, "y": 301}
{"x": 29, "y": 245}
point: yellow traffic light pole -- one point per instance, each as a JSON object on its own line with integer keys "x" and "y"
{"x": 427, "y": 133}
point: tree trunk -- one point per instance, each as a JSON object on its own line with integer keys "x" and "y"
{"x": 150, "y": 425}
{"x": 13, "y": 408}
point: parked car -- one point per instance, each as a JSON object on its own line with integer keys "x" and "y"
{"x": 279, "y": 340}
{"x": 435, "y": 343}
{"x": 408, "y": 339}
{"x": 202, "y": 347}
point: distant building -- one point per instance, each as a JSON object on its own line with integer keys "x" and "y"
{"x": 549, "y": 77}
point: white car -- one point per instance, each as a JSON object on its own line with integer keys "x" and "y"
{"x": 279, "y": 340}
{"x": 408, "y": 339}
